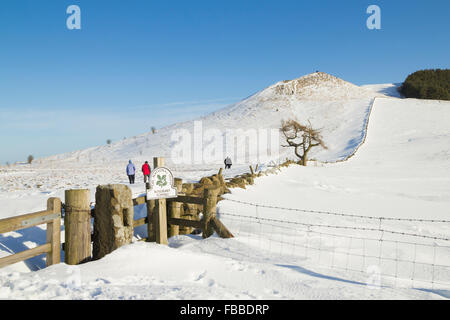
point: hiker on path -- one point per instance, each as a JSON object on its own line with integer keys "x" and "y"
{"x": 131, "y": 171}
{"x": 146, "y": 171}
{"x": 227, "y": 163}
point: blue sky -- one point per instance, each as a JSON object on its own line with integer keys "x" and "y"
{"x": 141, "y": 63}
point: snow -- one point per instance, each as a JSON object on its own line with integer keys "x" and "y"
{"x": 401, "y": 171}
{"x": 388, "y": 89}
{"x": 154, "y": 272}
{"x": 337, "y": 106}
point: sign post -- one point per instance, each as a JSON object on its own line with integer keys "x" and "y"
{"x": 162, "y": 186}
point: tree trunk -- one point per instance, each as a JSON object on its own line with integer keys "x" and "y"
{"x": 305, "y": 158}
{"x": 298, "y": 155}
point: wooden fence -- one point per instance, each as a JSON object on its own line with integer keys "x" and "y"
{"x": 162, "y": 221}
{"x": 52, "y": 217}
{"x": 207, "y": 225}
{"x": 202, "y": 196}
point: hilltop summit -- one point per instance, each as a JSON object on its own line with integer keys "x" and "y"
{"x": 320, "y": 86}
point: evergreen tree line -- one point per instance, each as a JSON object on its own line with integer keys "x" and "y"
{"x": 427, "y": 84}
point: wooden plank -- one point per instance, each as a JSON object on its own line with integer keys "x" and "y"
{"x": 190, "y": 212}
{"x": 220, "y": 228}
{"x": 15, "y": 223}
{"x": 150, "y": 211}
{"x": 160, "y": 221}
{"x": 140, "y": 222}
{"x": 24, "y": 255}
{"x": 139, "y": 200}
{"x": 209, "y": 210}
{"x": 54, "y": 233}
{"x": 160, "y": 216}
{"x": 175, "y": 210}
{"x": 150, "y": 227}
{"x": 186, "y": 223}
{"x": 41, "y": 220}
{"x": 188, "y": 199}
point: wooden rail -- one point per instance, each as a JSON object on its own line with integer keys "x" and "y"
{"x": 140, "y": 222}
{"x": 78, "y": 214}
{"x": 186, "y": 223}
{"x": 139, "y": 200}
{"x": 209, "y": 223}
{"x": 52, "y": 217}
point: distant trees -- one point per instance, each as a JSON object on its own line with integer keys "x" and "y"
{"x": 153, "y": 130}
{"x": 427, "y": 84}
{"x": 30, "y": 159}
{"x": 302, "y": 138}
{"x": 108, "y": 141}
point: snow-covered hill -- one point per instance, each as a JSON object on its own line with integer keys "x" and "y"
{"x": 337, "y": 106}
{"x": 400, "y": 172}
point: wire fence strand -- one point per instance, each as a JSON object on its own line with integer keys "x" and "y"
{"x": 402, "y": 258}
{"x": 339, "y": 214}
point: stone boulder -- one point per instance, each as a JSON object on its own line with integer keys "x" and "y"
{"x": 114, "y": 217}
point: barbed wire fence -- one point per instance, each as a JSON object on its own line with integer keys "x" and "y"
{"x": 403, "y": 251}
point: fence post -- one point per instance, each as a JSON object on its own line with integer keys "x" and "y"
{"x": 150, "y": 211}
{"x": 77, "y": 224}
{"x": 209, "y": 209}
{"x": 150, "y": 227}
{"x": 175, "y": 210}
{"x": 160, "y": 216}
{"x": 54, "y": 232}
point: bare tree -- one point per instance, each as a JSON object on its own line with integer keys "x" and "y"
{"x": 302, "y": 138}
{"x": 30, "y": 159}
{"x": 153, "y": 130}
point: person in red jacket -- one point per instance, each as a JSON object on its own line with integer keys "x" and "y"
{"x": 146, "y": 171}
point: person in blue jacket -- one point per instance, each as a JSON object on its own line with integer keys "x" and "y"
{"x": 131, "y": 171}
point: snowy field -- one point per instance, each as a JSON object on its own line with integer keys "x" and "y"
{"x": 341, "y": 108}
{"x": 376, "y": 226}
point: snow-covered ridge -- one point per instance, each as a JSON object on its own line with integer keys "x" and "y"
{"x": 343, "y": 122}
{"x": 338, "y": 106}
